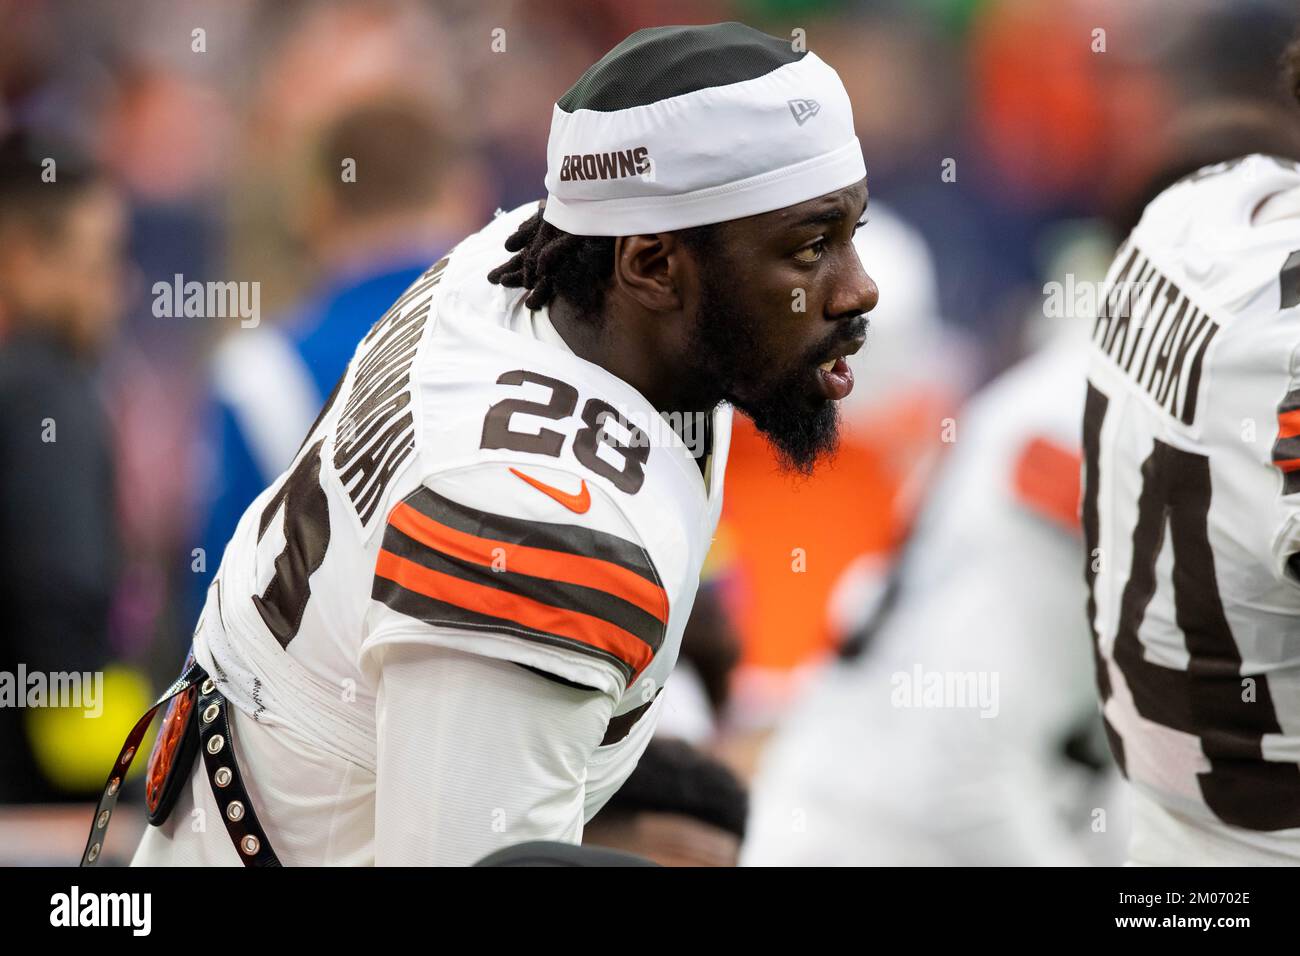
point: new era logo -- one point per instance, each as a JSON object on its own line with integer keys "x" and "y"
{"x": 803, "y": 110}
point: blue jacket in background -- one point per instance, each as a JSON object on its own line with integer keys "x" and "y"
{"x": 268, "y": 385}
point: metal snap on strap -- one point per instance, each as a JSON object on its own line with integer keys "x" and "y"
{"x": 214, "y": 743}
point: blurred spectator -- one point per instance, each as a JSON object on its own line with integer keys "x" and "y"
{"x": 62, "y": 233}
{"x": 371, "y": 217}
{"x": 679, "y": 807}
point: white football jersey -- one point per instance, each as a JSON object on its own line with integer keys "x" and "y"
{"x": 471, "y": 484}
{"x": 1192, "y": 515}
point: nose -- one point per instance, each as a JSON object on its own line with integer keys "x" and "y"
{"x": 870, "y": 293}
{"x": 856, "y": 293}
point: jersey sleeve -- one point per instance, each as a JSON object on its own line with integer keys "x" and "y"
{"x": 526, "y": 743}
{"x": 533, "y": 566}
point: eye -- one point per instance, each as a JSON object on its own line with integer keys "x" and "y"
{"x": 815, "y": 249}
{"x": 810, "y": 254}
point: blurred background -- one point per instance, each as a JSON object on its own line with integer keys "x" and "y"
{"x": 1010, "y": 144}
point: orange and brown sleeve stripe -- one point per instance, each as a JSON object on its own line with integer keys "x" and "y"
{"x": 562, "y": 585}
{"x": 1286, "y": 450}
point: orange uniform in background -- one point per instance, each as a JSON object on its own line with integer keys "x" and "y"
{"x": 785, "y": 540}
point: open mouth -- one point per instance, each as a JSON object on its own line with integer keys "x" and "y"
{"x": 834, "y": 375}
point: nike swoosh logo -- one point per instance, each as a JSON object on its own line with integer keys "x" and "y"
{"x": 578, "y": 503}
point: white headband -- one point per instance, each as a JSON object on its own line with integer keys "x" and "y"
{"x": 718, "y": 153}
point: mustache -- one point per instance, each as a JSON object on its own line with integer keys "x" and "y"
{"x": 854, "y": 328}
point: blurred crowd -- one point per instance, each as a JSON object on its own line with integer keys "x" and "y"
{"x": 319, "y": 155}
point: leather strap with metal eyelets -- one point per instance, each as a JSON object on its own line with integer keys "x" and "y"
{"x": 113, "y": 787}
{"x": 222, "y": 771}
{"x": 216, "y": 745}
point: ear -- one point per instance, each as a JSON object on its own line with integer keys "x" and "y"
{"x": 653, "y": 270}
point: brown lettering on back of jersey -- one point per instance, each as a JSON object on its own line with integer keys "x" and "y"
{"x": 1155, "y": 334}
{"x": 375, "y": 433}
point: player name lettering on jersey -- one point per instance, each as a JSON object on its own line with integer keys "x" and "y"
{"x": 376, "y": 432}
{"x": 1192, "y": 537}
{"x": 1158, "y": 338}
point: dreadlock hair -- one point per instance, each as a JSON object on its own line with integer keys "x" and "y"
{"x": 550, "y": 262}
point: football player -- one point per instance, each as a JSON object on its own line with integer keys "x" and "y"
{"x": 1191, "y": 513}
{"x": 444, "y": 629}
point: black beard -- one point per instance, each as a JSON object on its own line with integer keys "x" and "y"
{"x": 800, "y": 436}
{"x": 801, "y": 430}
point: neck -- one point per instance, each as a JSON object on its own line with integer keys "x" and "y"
{"x": 631, "y": 350}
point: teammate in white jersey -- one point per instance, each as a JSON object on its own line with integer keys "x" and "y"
{"x": 1191, "y": 513}
{"x": 445, "y": 628}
